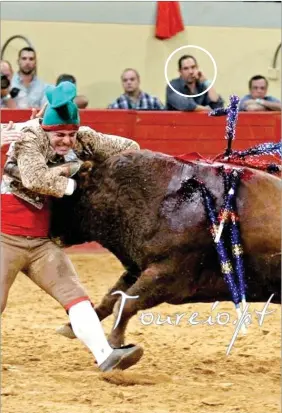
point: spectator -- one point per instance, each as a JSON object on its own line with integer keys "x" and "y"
{"x": 80, "y": 100}
{"x": 7, "y": 98}
{"x": 257, "y": 100}
{"x": 133, "y": 97}
{"x": 191, "y": 82}
{"x": 31, "y": 89}
{"x": 6, "y": 69}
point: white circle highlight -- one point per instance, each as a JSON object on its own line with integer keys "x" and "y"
{"x": 193, "y": 47}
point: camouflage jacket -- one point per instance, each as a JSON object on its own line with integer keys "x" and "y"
{"x": 28, "y": 172}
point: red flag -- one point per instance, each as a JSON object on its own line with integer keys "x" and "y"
{"x": 169, "y": 20}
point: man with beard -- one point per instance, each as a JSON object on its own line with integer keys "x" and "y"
{"x": 31, "y": 89}
{"x": 192, "y": 81}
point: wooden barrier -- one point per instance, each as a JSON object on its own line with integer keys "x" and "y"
{"x": 175, "y": 132}
{"x": 170, "y": 132}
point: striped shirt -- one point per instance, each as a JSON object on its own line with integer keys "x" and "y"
{"x": 144, "y": 102}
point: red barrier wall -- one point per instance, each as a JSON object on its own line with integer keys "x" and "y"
{"x": 175, "y": 132}
{"x": 171, "y": 132}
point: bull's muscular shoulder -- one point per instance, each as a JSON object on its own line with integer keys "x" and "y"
{"x": 142, "y": 162}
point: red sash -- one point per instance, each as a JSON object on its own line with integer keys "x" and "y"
{"x": 18, "y": 217}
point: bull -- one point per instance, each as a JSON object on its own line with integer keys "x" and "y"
{"x": 145, "y": 209}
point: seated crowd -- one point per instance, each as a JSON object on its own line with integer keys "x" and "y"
{"x": 24, "y": 89}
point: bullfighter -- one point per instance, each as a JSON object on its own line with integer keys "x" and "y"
{"x": 56, "y": 140}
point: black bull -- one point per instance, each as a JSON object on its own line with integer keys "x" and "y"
{"x": 138, "y": 205}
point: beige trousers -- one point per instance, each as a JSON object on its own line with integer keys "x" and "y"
{"x": 44, "y": 263}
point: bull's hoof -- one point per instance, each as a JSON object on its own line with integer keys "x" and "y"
{"x": 116, "y": 342}
{"x": 122, "y": 358}
{"x": 66, "y": 331}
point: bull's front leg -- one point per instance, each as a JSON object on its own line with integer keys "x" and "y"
{"x": 152, "y": 287}
{"x": 105, "y": 308}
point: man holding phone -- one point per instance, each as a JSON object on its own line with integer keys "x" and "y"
{"x": 8, "y": 94}
{"x": 191, "y": 82}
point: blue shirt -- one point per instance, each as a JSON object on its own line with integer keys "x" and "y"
{"x": 32, "y": 96}
{"x": 177, "y": 102}
{"x": 249, "y": 97}
{"x": 144, "y": 102}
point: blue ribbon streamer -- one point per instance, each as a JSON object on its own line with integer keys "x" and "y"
{"x": 235, "y": 235}
{"x": 232, "y": 116}
{"x": 231, "y": 267}
{"x": 269, "y": 148}
{"x": 225, "y": 263}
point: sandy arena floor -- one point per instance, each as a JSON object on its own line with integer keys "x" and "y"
{"x": 184, "y": 368}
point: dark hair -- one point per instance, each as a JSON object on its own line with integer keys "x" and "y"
{"x": 257, "y": 77}
{"x": 186, "y": 56}
{"x": 26, "y": 49}
{"x": 65, "y": 78}
{"x": 133, "y": 70}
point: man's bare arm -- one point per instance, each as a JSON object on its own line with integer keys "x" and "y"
{"x": 252, "y": 105}
{"x": 200, "y": 108}
{"x": 275, "y": 106}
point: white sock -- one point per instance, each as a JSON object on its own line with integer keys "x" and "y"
{"x": 87, "y": 328}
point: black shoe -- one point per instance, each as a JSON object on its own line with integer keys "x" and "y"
{"x": 122, "y": 358}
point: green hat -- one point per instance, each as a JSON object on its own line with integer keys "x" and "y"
{"x": 61, "y": 112}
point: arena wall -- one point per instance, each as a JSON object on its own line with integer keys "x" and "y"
{"x": 174, "y": 132}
